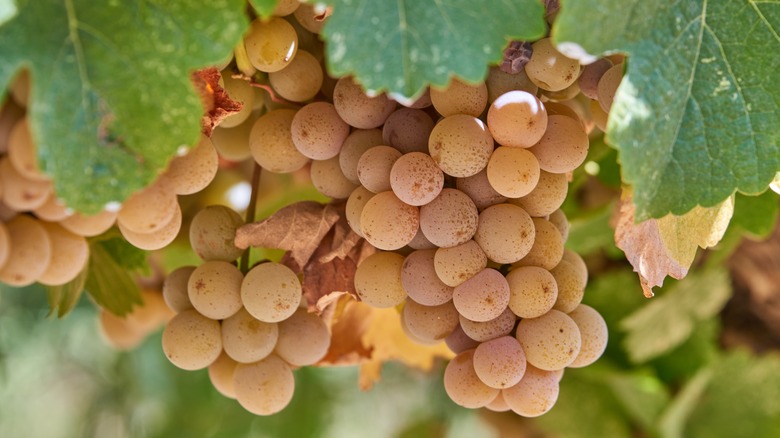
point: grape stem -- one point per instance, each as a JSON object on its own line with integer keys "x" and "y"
{"x": 250, "y": 212}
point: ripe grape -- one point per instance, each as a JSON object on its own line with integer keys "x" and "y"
{"x": 479, "y": 190}
{"x": 359, "y": 110}
{"x": 265, "y": 387}
{"x": 378, "y": 280}
{"x": 571, "y": 288}
{"x": 212, "y": 232}
{"x": 430, "y": 323}
{"x": 192, "y": 341}
{"x": 318, "y": 132}
{"x": 175, "y": 291}
{"x": 547, "y": 250}
{"x": 232, "y": 144}
{"x": 374, "y": 166}
{"x": 463, "y": 385}
{"x": 30, "y": 251}
{"x": 594, "y": 333}
{"x": 461, "y": 145}
{"x": 458, "y": 341}
{"x": 304, "y": 339}
{"x": 53, "y": 210}
{"x": 450, "y": 219}
{"x": 591, "y": 74}
{"x": 500, "y": 363}
{"x": 214, "y": 289}
{"x": 192, "y": 172}
{"x": 156, "y": 239}
{"x": 517, "y": 118}
{"x": 22, "y": 152}
{"x": 20, "y": 193}
{"x": 505, "y": 232}
{"x": 546, "y": 197}
{"x": 513, "y": 172}
{"x": 457, "y": 264}
{"x": 498, "y": 404}
{"x": 419, "y": 241}
{"x": 354, "y": 208}
{"x": 117, "y": 332}
{"x": 563, "y": 147}
{"x": 558, "y": 218}
{"x": 136, "y": 214}
{"x": 221, "y": 374}
{"x": 70, "y": 253}
{"x": 533, "y": 291}
{"x": 482, "y": 297}
{"x": 388, "y": 223}
{"x": 578, "y": 263}
{"x": 271, "y": 142}
{"x": 551, "y": 341}
{"x": 460, "y": 98}
{"x": 502, "y": 325}
{"x": 328, "y": 179}
{"x": 300, "y": 80}
{"x": 89, "y": 226}
{"x": 240, "y": 91}
{"x": 358, "y": 142}
{"x": 271, "y": 292}
{"x": 271, "y": 45}
{"x": 408, "y": 130}
{"x": 499, "y": 82}
{"x": 549, "y": 69}
{"x": 535, "y": 394}
{"x": 246, "y": 339}
{"x": 310, "y": 18}
{"x": 419, "y": 278}
{"x": 608, "y": 85}
{"x": 416, "y": 179}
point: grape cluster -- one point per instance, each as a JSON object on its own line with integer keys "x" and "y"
{"x": 249, "y": 330}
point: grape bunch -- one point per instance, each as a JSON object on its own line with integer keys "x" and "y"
{"x": 248, "y": 330}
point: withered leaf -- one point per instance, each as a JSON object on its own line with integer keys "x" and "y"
{"x": 298, "y": 228}
{"x": 667, "y": 246}
{"x": 216, "y": 102}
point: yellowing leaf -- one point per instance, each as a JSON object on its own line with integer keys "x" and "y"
{"x": 370, "y": 337}
{"x": 657, "y": 248}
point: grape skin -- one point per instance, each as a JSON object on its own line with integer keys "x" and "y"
{"x": 482, "y": 297}
{"x": 192, "y": 341}
{"x": 462, "y": 384}
{"x": 271, "y": 292}
{"x": 594, "y": 333}
{"x": 265, "y": 387}
{"x": 304, "y": 339}
{"x": 418, "y": 277}
{"x": 500, "y": 363}
{"x": 378, "y": 280}
{"x": 388, "y": 223}
{"x": 246, "y": 339}
{"x": 551, "y": 341}
{"x": 535, "y": 394}
{"x": 30, "y": 251}
{"x": 214, "y": 289}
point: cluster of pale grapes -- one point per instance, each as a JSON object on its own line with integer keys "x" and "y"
{"x": 460, "y": 191}
{"x": 250, "y": 331}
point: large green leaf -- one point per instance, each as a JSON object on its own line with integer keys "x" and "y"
{"x": 112, "y": 99}
{"x": 696, "y": 116}
{"x": 402, "y": 46}
{"x": 109, "y": 281}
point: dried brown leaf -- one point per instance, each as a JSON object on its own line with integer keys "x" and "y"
{"x": 216, "y": 102}
{"x": 298, "y": 228}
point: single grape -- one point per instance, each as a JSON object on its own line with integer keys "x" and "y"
{"x": 240, "y": 91}
{"x": 374, "y": 166}
{"x": 358, "y": 142}
{"x": 499, "y": 82}
{"x": 271, "y": 142}
{"x": 246, "y": 339}
{"x": 532, "y": 291}
{"x": 462, "y": 384}
{"x": 192, "y": 172}
{"x": 136, "y": 214}
{"x": 549, "y": 69}
{"x": 408, "y": 130}
{"x": 461, "y": 145}
{"x": 70, "y": 253}
{"x": 378, "y": 280}
{"x": 192, "y": 341}
{"x": 53, "y": 210}
{"x": 221, "y": 374}
{"x": 318, "y": 132}
{"x": 300, "y": 80}
{"x": 419, "y": 241}
{"x": 500, "y": 363}
{"x": 214, "y": 289}
{"x": 458, "y": 341}
{"x": 608, "y": 85}
{"x": 271, "y": 292}
{"x": 535, "y": 394}
{"x": 546, "y": 197}
{"x": 459, "y": 263}
{"x": 419, "y": 278}
{"x": 89, "y": 226}
{"x": 416, "y": 179}
{"x": 20, "y": 193}
{"x": 175, "y": 291}
{"x": 328, "y": 179}
{"x": 358, "y": 109}
{"x": 505, "y": 232}
{"x": 498, "y": 404}
{"x": 212, "y": 232}
{"x": 460, "y": 98}
{"x": 271, "y": 45}
{"x": 22, "y": 152}
{"x": 450, "y": 219}
{"x": 578, "y": 263}
{"x": 304, "y": 339}
{"x": 430, "y": 323}
{"x": 311, "y": 19}
{"x": 354, "y": 208}
{"x": 265, "y": 387}
{"x": 156, "y": 239}
{"x": 558, "y": 218}
{"x": 513, "y": 172}
{"x": 547, "y": 250}
{"x": 571, "y": 288}
{"x": 487, "y": 330}
{"x": 388, "y": 223}
{"x": 482, "y": 297}
{"x": 479, "y": 190}
{"x": 594, "y": 333}
{"x": 551, "y": 341}
{"x": 517, "y": 118}
{"x": 232, "y": 144}
{"x": 563, "y": 147}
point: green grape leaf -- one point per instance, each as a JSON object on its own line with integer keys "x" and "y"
{"x": 109, "y": 281}
{"x": 112, "y": 98}
{"x": 402, "y": 46}
{"x": 63, "y": 298}
{"x": 123, "y": 253}
{"x": 697, "y": 114}
{"x": 756, "y": 215}
{"x": 7, "y": 10}
{"x": 264, "y": 8}
{"x": 669, "y": 319}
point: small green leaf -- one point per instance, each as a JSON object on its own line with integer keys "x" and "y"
{"x": 696, "y": 116}
{"x": 264, "y": 8}
{"x": 668, "y": 320}
{"x": 122, "y": 252}
{"x": 63, "y": 298}
{"x": 402, "y": 46}
{"x": 109, "y": 282}
{"x": 111, "y": 98}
